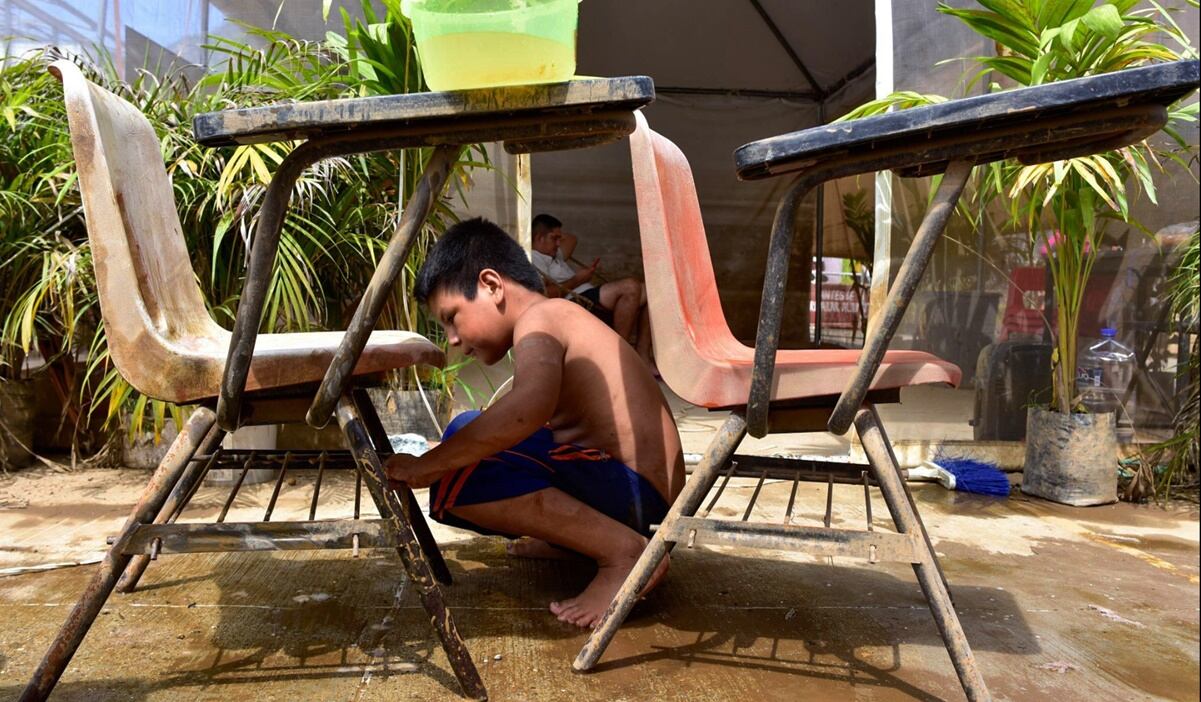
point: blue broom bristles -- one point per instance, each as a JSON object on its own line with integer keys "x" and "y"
{"x": 975, "y": 476}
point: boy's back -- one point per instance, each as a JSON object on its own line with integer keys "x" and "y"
{"x": 608, "y": 398}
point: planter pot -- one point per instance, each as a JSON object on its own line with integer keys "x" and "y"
{"x": 142, "y": 451}
{"x": 400, "y": 411}
{"x": 53, "y": 432}
{"x": 298, "y": 436}
{"x": 261, "y": 437}
{"x": 404, "y": 412}
{"x": 1071, "y": 458}
{"x": 17, "y": 407}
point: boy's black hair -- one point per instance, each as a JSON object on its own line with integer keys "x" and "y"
{"x": 544, "y": 223}
{"x": 455, "y": 261}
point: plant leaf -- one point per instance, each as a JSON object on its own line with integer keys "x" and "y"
{"x": 1104, "y": 20}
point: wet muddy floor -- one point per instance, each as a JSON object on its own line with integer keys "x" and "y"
{"x": 1058, "y": 603}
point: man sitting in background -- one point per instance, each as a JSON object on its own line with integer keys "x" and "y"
{"x": 619, "y": 303}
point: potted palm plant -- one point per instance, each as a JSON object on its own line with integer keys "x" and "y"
{"x": 43, "y": 268}
{"x": 1066, "y": 206}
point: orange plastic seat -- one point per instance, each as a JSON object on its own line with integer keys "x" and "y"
{"x": 704, "y": 364}
{"x": 709, "y": 367}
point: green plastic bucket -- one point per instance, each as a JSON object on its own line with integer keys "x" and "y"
{"x": 482, "y": 43}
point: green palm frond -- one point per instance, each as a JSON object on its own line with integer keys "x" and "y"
{"x": 1065, "y": 206}
{"x": 1042, "y": 41}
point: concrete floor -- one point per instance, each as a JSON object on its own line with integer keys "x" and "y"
{"x": 1058, "y": 603}
{"x": 1097, "y": 604}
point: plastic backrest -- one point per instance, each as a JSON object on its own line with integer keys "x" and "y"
{"x": 686, "y": 316}
{"x": 700, "y": 359}
{"x": 152, "y": 306}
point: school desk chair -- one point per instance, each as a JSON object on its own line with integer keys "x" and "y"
{"x": 164, "y": 343}
{"x": 770, "y": 390}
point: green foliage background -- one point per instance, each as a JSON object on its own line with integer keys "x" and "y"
{"x": 342, "y": 211}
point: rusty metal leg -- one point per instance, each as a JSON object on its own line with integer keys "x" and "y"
{"x": 233, "y": 493}
{"x": 716, "y": 456}
{"x": 771, "y": 308}
{"x": 379, "y": 290}
{"x": 105, "y": 578}
{"x": 258, "y": 280}
{"x": 279, "y": 483}
{"x": 879, "y": 335}
{"x": 927, "y": 570}
{"x": 725, "y": 480}
{"x": 317, "y": 485}
{"x": 379, "y": 437}
{"x": 921, "y": 526}
{"x": 194, "y": 472}
{"x": 415, "y": 565}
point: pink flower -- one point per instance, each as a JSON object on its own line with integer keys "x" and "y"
{"x": 1054, "y": 239}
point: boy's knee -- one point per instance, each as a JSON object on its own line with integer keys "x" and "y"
{"x": 459, "y": 422}
{"x": 627, "y": 287}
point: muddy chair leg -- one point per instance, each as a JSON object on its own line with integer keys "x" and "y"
{"x": 411, "y": 556}
{"x": 421, "y": 529}
{"x": 716, "y": 457}
{"x": 174, "y": 503}
{"x": 921, "y": 526}
{"x": 929, "y": 575}
{"x": 101, "y": 585}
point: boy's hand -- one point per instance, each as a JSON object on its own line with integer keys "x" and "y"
{"x": 403, "y": 468}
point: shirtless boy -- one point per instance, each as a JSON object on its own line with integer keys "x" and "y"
{"x": 581, "y": 455}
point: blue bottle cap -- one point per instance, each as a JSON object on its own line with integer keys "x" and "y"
{"x": 1108, "y": 332}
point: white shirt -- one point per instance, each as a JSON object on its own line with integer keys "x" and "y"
{"x": 555, "y": 268}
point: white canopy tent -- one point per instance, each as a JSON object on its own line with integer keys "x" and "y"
{"x": 726, "y": 72}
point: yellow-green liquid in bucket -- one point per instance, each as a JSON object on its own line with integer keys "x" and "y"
{"x": 480, "y": 59}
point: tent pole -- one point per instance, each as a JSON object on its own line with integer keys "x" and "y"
{"x": 525, "y": 201}
{"x": 882, "y": 248}
{"x": 819, "y": 243}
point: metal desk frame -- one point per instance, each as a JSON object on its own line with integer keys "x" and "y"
{"x": 1034, "y": 125}
{"x": 526, "y": 118}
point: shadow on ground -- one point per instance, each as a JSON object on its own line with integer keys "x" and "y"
{"x": 122, "y": 690}
{"x": 288, "y": 617}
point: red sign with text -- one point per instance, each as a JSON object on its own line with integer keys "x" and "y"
{"x": 841, "y": 306}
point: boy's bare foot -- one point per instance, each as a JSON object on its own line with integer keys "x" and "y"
{"x": 587, "y": 608}
{"x": 529, "y": 547}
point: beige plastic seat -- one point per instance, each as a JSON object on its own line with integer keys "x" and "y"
{"x": 166, "y": 345}
{"x": 160, "y": 334}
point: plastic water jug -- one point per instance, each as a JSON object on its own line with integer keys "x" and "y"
{"x": 467, "y": 44}
{"x": 1104, "y": 372}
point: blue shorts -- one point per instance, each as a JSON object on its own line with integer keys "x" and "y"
{"x": 589, "y": 475}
